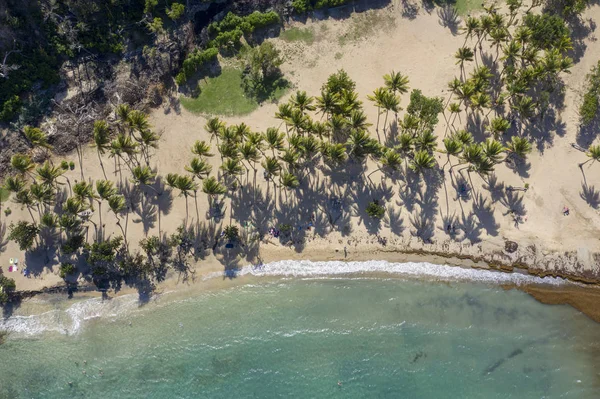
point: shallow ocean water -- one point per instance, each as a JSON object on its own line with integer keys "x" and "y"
{"x": 299, "y": 337}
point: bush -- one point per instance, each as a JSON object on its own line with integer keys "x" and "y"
{"x": 302, "y": 6}
{"x": 375, "y": 210}
{"x": 24, "y": 234}
{"x": 176, "y": 11}
{"x": 589, "y": 107}
{"x": 67, "y": 269}
{"x": 10, "y": 108}
{"x": 7, "y": 285}
{"x": 193, "y": 62}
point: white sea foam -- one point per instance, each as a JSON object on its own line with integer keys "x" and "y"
{"x": 306, "y": 268}
{"x": 69, "y": 321}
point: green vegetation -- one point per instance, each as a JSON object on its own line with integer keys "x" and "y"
{"x": 7, "y": 286}
{"x": 375, "y": 210}
{"x": 303, "y": 6}
{"x": 366, "y": 24}
{"x": 195, "y": 60}
{"x": 588, "y": 110}
{"x": 67, "y": 269}
{"x": 4, "y": 194}
{"x": 306, "y": 35}
{"x": 221, "y": 95}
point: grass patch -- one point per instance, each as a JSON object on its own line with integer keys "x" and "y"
{"x": 366, "y": 24}
{"x": 305, "y": 35}
{"x": 221, "y": 95}
{"x": 465, "y": 6}
{"x": 224, "y": 95}
{"x": 4, "y": 194}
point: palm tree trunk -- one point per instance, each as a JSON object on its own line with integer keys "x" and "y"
{"x": 102, "y": 165}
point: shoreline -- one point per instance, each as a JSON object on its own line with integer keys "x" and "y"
{"x": 582, "y": 294}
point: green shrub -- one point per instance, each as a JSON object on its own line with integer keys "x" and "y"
{"x": 588, "y": 110}
{"x": 302, "y": 6}
{"x": 193, "y": 62}
{"x": 375, "y": 210}
{"x": 176, "y": 11}
{"x": 10, "y": 108}
{"x": 67, "y": 269}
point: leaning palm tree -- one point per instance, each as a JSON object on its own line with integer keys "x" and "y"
{"x": 202, "y": 149}
{"x": 14, "y": 184}
{"x": 199, "y": 168}
{"x": 519, "y": 147}
{"x": 232, "y": 168}
{"x": 105, "y": 190}
{"x": 358, "y": 120}
{"x": 144, "y": 176}
{"x": 360, "y": 144}
{"x": 493, "y": 150}
{"x": 186, "y": 185}
{"x": 101, "y": 140}
{"x": 334, "y": 154}
{"x": 212, "y": 188}
{"x": 122, "y": 112}
{"x": 214, "y": 127}
{"x": 117, "y": 205}
{"x": 302, "y": 101}
{"x": 49, "y": 174}
{"x": 390, "y": 161}
{"x": 284, "y": 113}
{"x": 422, "y": 160}
{"x": 593, "y": 153}
{"x": 22, "y": 164}
{"x": 42, "y": 195}
{"x": 37, "y": 138}
{"x": 378, "y": 99}
{"x": 327, "y": 103}
{"x": 25, "y": 199}
{"x": 391, "y": 102}
{"x": 289, "y": 180}
{"x": 396, "y": 82}
{"x": 272, "y": 168}
{"x": 452, "y": 147}
{"x": 274, "y": 139}
{"x": 138, "y": 121}
{"x": 84, "y": 191}
{"x": 498, "y": 126}
{"x": 463, "y": 54}
{"x": 148, "y": 139}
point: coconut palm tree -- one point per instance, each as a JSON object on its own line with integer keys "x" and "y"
{"x": 390, "y": 161}
{"x": 138, "y": 121}
{"x": 452, "y": 147}
{"x": 37, "y": 138}
{"x": 360, "y": 144}
{"x": 378, "y": 99}
{"x": 493, "y": 150}
{"x": 105, "y": 190}
{"x": 422, "y": 160}
{"x": 396, "y": 82}
{"x": 101, "y": 140}
{"x": 525, "y": 107}
{"x": 122, "y": 112}
{"x": 272, "y": 167}
{"x": 202, "y": 149}
{"x": 212, "y": 188}
{"x": 186, "y": 185}
{"x": 199, "y": 168}
{"x": 391, "y": 102}
{"x": 232, "y": 168}
{"x": 298, "y": 122}
{"x": 471, "y": 28}
{"x": 22, "y": 164}
{"x": 463, "y": 54}
{"x": 498, "y": 126}
{"x": 593, "y": 153}
{"x": 14, "y": 184}
{"x": 519, "y": 147}
{"x": 302, "y": 101}
{"x": 274, "y": 139}
{"x": 334, "y": 153}
{"x": 84, "y": 191}
{"x": 116, "y": 203}
{"x": 25, "y": 199}
{"x": 148, "y": 139}
{"x": 144, "y": 176}
{"x": 49, "y": 174}
{"x": 214, "y": 127}
{"x": 289, "y": 180}
{"x": 284, "y": 113}
{"x": 327, "y": 103}
{"x": 42, "y": 195}
{"x": 426, "y": 141}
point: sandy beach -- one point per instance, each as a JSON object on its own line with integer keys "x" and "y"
{"x": 414, "y": 227}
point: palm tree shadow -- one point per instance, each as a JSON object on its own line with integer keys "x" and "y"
{"x": 147, "y": 211}
{"x": 513, "y": 202}
{"x": 3, "y": 239}
{"x": 519, "y": 166}
{"x": 393, "y": 220}
{"x": 449, "y": 223}
{"x": 449, "y": 18}
{"x": 470, "y": 227}
{"x": 590, "y": 195}
{"x": 495, "y": 188}
{"x": 423, "y": 226}
{"x": 485, "y": 214}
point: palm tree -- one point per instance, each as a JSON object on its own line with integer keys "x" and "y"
{"x": 327, "y": 103}
{"x": 272, "y": 168}
{"x": 105, "y": 190}
{"x": 396, "y": 82}
{"x": 519, "y": 146}
{"x": 334, "y": 153}
{"x": 471, "y": 27}
{"x": 148, "y": 139}
{"x": 212, "y": 188}
{"x": 83, "y": 192}
{"x": 144, "y": 176}
{"x": 525, "y": 107}
{"x": 138, "y": 121}
{"x": 22, "y": 164}
{"x": 202, "y": 149}
{"x": 593, "y": 153}
{"x": 452, "y": 147}
{"x": 302, "y": 101}
{"x": 121, "y": 145}
{"x": 389, "y": 161}
{"x": 232, "y": 168}
{"x": 25, "y": 199}
{"x": 214, "y": 127}
{"x": 463, "y": 55}
{"x": 358, "y": 120}
{"x": 493, "y": 150}
{"x": 116, "y": 204}
{"x": 360, "y": 144}
{"x": 289, "y": 180}
{"x": 426, "y": 141}
{"x": 37, "y": 138}
{"x": 101, "y": 136}
{"x": 391, "y": 102}
{"x": 378, "y": 99}
{"x": 48, "y": 174}
{"x": 422, "y": 160}
{"x": 186, "y": 185}
{"x": 42, "y": 195}
{"x": 274, "y": 139}
{"x": 14, "y": 184}
{"x": 122, "y": 111}
{"x": 199, "y": 168}
{"x": 498, "y": 126}
{"x": 284, "y": 113}
{"x": 297, "y": 121}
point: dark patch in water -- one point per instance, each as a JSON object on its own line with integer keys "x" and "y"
{"x": 499, "y": 363}
{"x": 419, "y": 355}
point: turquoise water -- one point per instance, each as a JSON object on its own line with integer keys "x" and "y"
{"x": 296, "y": 338}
